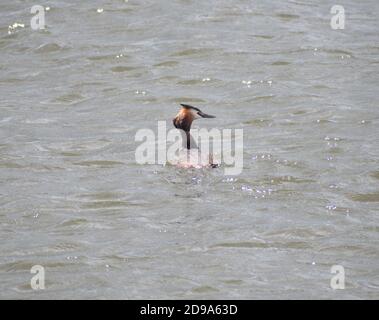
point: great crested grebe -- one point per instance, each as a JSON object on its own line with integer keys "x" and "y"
{"x": 183, "y": 120}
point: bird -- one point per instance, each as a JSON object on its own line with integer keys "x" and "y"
{"x": 183, "y": 121}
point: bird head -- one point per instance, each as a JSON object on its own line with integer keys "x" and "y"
{"x": 186, "y": 115}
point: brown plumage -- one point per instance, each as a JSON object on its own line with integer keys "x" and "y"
{"x": 183, "y": 120}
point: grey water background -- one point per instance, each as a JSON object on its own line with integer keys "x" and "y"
{"x": 73, "y": 199}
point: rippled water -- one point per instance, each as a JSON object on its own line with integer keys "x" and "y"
{"x": 73, "y": 199}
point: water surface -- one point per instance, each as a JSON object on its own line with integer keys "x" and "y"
{"x": 73, "y": 199}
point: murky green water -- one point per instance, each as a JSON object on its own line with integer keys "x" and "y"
{"x": 73, "y": 200}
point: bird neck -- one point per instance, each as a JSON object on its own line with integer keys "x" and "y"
{"x": 188, "y": 140}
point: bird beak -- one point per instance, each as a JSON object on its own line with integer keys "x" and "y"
{"x": 204, "y": 115}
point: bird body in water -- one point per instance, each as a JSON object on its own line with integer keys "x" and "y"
{"x": 190, "y": 156}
